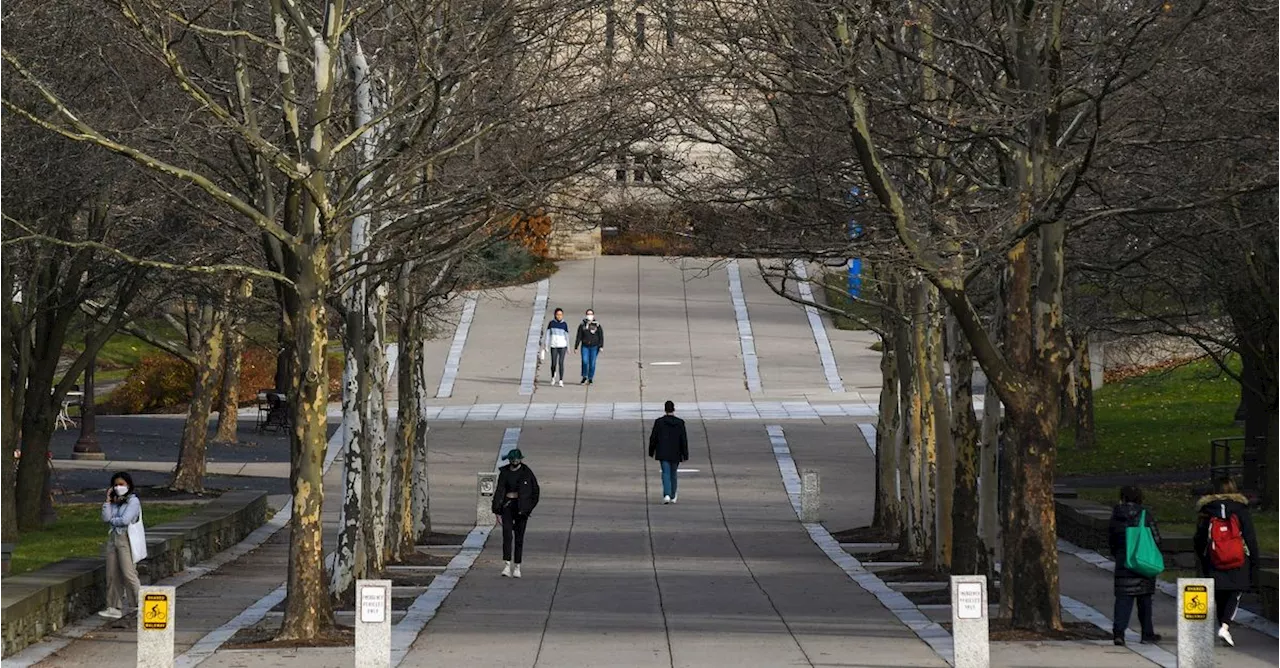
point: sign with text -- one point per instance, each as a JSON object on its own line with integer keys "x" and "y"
{"x": 969, "y": 600}
{"x": 373, "y": 604}
{"x": 155, "y": 612}
{"x": 1195, "y": 602}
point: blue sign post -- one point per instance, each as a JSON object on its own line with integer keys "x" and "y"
{"x": 855, "y": 264}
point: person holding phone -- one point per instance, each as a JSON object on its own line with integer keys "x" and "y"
{"x": 121, "y": 509}
{"x": 514, "y": 497}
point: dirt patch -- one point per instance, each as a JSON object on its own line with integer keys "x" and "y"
{"x": 863, "y": 535}
{"x": 259, "y": 637}
{"x": 412, "y": 578}
{"x": 444, "y": 539}
{"x": 913, "y": 574}
{"x": 889, "y": 555}
{"x": 420, "y": 559}
{"x": 1000, "y": 630}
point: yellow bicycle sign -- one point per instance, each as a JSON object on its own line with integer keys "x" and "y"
{"x": 155, "y": 612}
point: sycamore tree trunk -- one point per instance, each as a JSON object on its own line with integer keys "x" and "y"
{"x": 349, "y": 560}
{"x": 421, "y": 496}
{"x": 912, "y": 416}
{"x": 1086, "y": 432}
{"x": 887, "y": 512}
{"x": 189, "y": 474}
{"x": 942, "y": 474}
{"x": 968, "y": 553}
{"x": 374, "y": 491}
{"x": 400, "y": 537}
{"x": 232, "y": 363}
{"x": 989, "y": 478}
{"x": 926, "y": 351}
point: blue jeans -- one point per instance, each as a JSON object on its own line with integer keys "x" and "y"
{"x": 589, "y": 355}
{"x": 669, "y": 471}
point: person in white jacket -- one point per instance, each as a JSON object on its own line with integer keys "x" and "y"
{"x": 557, "y": 343}
{"x": 121, "y": 509}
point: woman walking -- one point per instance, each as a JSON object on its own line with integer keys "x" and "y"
{"x": 1226, "y": 544}
{"x": 121, "y": 510}
{"x": 557, "y": 336}
{"x": 590, "y": 338}
{"x": 1131, "y": 587}
{"x": 514, "y": 498}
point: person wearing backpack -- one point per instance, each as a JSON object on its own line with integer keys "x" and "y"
{"x": 1135, "y": 581}
{"x": 1227, "y": 547}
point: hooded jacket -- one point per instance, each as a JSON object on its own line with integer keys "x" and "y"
{"x": 557, "y": 334}
{"x": 1123, "y": 516}
{"x": 590, "y": 333}
{"x": 669, "y": 442}
{"x": 1226, "y": 505}
{"x": 522, "y": 482}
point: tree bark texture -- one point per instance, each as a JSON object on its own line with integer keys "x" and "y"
{"x": 232, "y": 363}
{"x": 189, "y": 474}
{"x": 421, "y": 495}
{"x": 1086, "y": 432}
{"x": 989, "y": 476}
{"x": 968, "y": 553}
{"x": 349, "y": 560}
{"x": 400, "y": 537}
{"x": 887, "y": 511}
{"x": 374, "y": 491}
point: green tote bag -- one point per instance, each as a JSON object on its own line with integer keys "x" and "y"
{"x": 1141, "y": 555}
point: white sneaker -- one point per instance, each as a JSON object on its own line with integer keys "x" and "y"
{"x": 111, "y": 613}
{"x": 516, "y": 572}
{"x": 561, "y": 382}
{"x": 1225, "y": 634}
{"x": 675, "y": 498}
{"x": 506, "y": 570}
{"x": 666, "y": 500}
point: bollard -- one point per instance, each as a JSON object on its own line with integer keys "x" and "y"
{"x": 485, "y": 482}
{"x": 810, "y": 496}
{"x": 1197, "y": 622}
{"x": 155, "y": 627}
{"x": 373, "y": 624}
{"x": 970, "y": 621}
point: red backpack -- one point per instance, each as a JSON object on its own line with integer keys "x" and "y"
{"x": 1227, "y": 550}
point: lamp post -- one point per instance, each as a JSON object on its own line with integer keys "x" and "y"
{"x": 86, "y": 446}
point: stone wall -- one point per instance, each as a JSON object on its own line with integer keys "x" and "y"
{"x": 43, "y": 601}
{"x": 573, "y": 242}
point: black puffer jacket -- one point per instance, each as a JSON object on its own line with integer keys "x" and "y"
{"x": 669, "y": 441}
{"x": 1123, "y": 516}
{"x": 1219, "y": 505}
{"x": 522, "y": 482}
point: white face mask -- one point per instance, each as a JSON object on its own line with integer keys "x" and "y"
{"x": 121, "y": 490}
{"x": 590, "y": 317}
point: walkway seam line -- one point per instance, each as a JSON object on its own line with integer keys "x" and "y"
{"x": 820, "y": 338}
{"x": 530, "y": 371}
{"x": 455, "y": 349}
{"x": 926, "y": 629}
{"x": 750, "y": 364}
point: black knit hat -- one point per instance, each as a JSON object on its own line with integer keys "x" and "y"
{"x": 514, "y": 454}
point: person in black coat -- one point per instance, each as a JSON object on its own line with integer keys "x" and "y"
{"x": 514, "y": 497}
{"x": 1131, "y": 587}
{"x": 669, "y": 444}
{"x": 590, "y": 339}
{"x": 1228, "y": 585}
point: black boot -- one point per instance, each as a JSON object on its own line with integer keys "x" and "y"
{"x": 1151, "y": 638}
{"x": 1117, "y": 638}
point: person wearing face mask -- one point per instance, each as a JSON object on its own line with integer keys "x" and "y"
{"x": 121, "y": 509}
{"x": 591, "y": 340}
{"x": 514, "y": 497}
{"x": 557, "y": 342}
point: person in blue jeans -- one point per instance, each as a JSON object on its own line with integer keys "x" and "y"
{"x": 590, "y": 340}
{"x": 669, "y": 444}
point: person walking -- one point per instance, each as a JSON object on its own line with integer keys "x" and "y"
{"x": 590, "y": 338}
{"x": 1226, "y": 545}
{"x": 1131, "y": 587}
{"x": 514, "y": 498}
{"x": 120, "y": 511}
{"x": 669, "y": 444}
{"x": 557, "y": 343}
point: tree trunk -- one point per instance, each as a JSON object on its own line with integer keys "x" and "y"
{"x": 968, "y": 553}
{"x": 989, "y": 478}
{"x": 1086, "y": 433}
{"x": 400, "y": 538}
{"x": 887, "y": 511}
{"x": 349, "y": 559}
{"x": 942, "y": 475}
{"x": 8, "y": 431}
{"x": 232, "y": 363}
{"x": 374, "y": 492}
{"x": 37, "y": 431}
{"x": 189, "y": 474}
{"x": 421, "y": 498}
{"x": 926, "y": 348}
{"x": 308, "y": 609}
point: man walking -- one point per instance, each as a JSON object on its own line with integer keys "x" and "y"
{"x": 590, "y": 339}
{"x": 669, "y": 444}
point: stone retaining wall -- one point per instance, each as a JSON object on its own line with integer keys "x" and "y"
{"x": 1084, "y": 523}
{"x": 48, "y": 599}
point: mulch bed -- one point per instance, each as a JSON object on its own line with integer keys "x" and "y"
{"x": 444, "y": 539}
{"x": 888, "y": 555}
{"x": 1001, "y": 631}
{"x": 260, "y": 637}
{"x": 420, "y": 559}
{"x": 913, "y": 574}
{"x": 863, "y": 535}
{"x": 411, "y": 578}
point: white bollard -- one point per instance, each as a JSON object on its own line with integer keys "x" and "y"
{"x": 373, "y": 624}
{"x": 485, "y": 482}
{"x": 810, "y": 496}
{"x": 155, "y": 627}
{"x": 1197, "y": 622}
{"x": 970, "y": 624}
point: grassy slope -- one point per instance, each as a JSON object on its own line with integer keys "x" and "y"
{"x": 1159, "y": 422}
{"x": 80, "y": 532}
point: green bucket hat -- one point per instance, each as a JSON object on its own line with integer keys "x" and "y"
{"x": 514, "y": 454}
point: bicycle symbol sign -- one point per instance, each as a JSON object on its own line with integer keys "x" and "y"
{"x": 155, "y": 612}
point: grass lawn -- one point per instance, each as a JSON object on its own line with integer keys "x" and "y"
{"x": 80, "y": 532}
{"x": 1175, "y": 510}
{"x": 835, "y": 285}
{"x": 1159, "y": 422}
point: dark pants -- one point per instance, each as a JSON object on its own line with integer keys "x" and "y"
{"x": 513, "y": 523}
{"x": 669, "y": 474}
{"x": 1228, "y": 602}
{"x": 557, "y": 362}
{"x": 1124, "y": 608}
{"x": 589, "y": 354}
